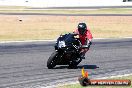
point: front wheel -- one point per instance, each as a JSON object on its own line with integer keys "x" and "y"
{"x": 51, "y": 63}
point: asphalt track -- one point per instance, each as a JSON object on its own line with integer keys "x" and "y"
{"x": 72, "y": 8}
{"x": 23, "y": 65}
{"x": 85, "y": 7}
{"x": 52, "y": 14}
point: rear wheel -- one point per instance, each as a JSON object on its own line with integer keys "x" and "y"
{"x": 51, "y": 63}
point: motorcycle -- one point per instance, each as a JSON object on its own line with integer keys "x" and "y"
{"x": 67, "y": 52}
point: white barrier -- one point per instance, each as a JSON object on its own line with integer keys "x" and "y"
{"x": 64, "y": 3}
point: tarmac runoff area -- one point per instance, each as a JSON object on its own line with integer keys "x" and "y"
{"x": 70, "y": 8}
{"x": 23, "y": 64}
{"x": 89, "y": 7}
{"x": 48, "y": 14}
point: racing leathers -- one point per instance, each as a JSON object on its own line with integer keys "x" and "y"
{"x": 86, "y": 40}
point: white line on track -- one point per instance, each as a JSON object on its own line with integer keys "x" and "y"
{"x": 28, "y": 41}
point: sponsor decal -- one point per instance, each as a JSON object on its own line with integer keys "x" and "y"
{"x": 85, "y": 81}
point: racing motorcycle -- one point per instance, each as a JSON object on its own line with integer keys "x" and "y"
{"x": 67, "y": 52}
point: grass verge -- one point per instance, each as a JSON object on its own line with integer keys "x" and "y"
{"x": 79, "y": 86}
{"x": 13, "y": 7}
{"x": 62, "y": 11}
{"x": 36, "y": 27}
{"x": 21, "y": 27}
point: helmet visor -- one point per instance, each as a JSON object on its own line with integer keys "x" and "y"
{"x": 81, "y": 31}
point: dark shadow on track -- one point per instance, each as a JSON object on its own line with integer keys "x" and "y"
{"x": 78, "y": 67}
{"x": 88, "y": 67}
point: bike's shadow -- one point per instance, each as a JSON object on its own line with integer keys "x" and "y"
{"x": 88, "y": 67}
{"x": 78, "y": 67}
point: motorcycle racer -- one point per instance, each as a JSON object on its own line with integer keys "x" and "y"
{"x": 85, "y": 37}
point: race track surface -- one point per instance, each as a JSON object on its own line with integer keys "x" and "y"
{"x": 71, "y": 8}
{"x": 24, "y": 64}
{"x": 85, "y": 7}
{"x": 52, "y": 14}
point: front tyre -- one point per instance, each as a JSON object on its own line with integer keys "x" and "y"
{"x": 51, "y": 63}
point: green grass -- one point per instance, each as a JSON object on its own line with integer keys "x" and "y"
{"x": 98, "y": 11}
{"x": 79, "y": 86}
{"x": 13, "y": 7}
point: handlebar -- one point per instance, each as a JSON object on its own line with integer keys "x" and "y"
{"x": 74, "y": 34}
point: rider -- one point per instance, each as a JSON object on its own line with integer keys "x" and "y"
{"x": 85, "y": 37}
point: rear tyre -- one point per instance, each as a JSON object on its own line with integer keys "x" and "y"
{"x": 51, "y": 63}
